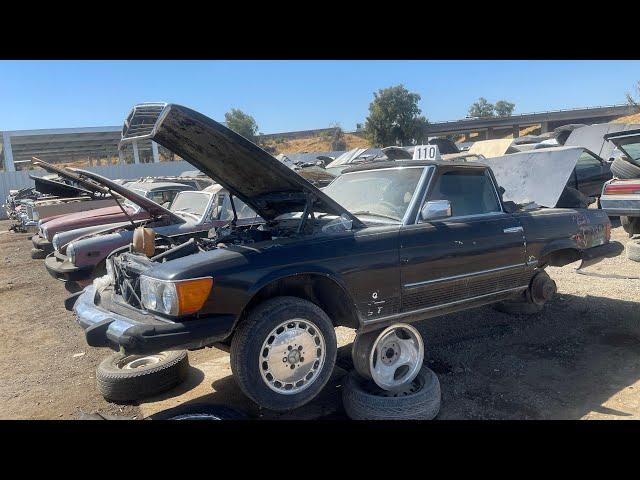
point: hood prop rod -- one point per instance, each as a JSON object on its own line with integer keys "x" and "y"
{"x": 122, "y": 208}
{"x": 233, "y": 207}
{"x": 308, "y": 211}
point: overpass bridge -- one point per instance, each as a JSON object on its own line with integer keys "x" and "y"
{"x": 490, "y": 126}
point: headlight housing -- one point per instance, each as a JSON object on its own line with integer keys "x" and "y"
{"x": 71, "y": 253}
{"x": 175, "y": 298}
{"x": 44, "y": 231}
{"x": 56, "y": 242}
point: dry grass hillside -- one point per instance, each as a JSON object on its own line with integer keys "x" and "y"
{"x": 316, "y": 144}
{"x": 634, "y": 118}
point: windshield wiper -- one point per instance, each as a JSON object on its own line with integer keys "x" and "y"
{"x": 373, "y": 214}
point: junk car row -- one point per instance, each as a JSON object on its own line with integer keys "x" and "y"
{"x": 273, "y": 254}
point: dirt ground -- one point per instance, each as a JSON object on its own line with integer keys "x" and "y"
{"x": 578, "y": 359}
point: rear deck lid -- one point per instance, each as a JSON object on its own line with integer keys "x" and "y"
{"x": 239, "y": 165}
{"x": 627, "y": 141}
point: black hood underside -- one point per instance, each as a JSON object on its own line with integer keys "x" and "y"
{"x": 243, "y": 168}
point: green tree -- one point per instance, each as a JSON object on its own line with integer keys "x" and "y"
{"x": 395, "y": 118}
{"x": 504, "y": 108}
{"x": 241, "y": 123}
{"x": 482, "y": 109}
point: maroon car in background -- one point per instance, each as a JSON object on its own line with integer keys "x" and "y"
{"x": 161, "y": 193}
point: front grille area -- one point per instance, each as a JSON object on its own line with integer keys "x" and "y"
{"x": 440, "y": 293}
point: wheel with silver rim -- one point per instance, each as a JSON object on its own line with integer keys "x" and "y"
{"x": 283, "y": 353}
{"x": 292, "y": 355}
{"x": 123, "y": 378}
{"x": 391, "y": 358}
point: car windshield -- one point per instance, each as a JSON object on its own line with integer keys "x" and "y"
{"x": 384, "y": 193}
{"x": 191, "y": 203}
{"x": 129, "y": 203}
{"x": 225, "y": 210}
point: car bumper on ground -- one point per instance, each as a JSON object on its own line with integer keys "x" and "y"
{"x": 42, "y": 243}
{"x": 615, "y": 205}
{"x": 143, "y": 332}
{"x": 60, "y": 268}
{"x": 594, "y": 255}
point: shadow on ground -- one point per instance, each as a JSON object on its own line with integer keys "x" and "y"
{"x": 576, "y": 358}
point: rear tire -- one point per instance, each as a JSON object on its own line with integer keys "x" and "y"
{"x": 363, "y": 400}
{"x": 283, "y": 353}
{"x": 124, "y": 378}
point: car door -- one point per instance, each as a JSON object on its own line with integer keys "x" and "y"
{"x": 590, "y": 173}
{"x": 477, "y": 251}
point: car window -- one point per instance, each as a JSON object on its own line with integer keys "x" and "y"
{"x": 162, "y": 196}
{"x": 587, "y": 161}
{"x": 471, "y": 192}
{"x": 379, "y": 192}
{"x": 226, "y": 211}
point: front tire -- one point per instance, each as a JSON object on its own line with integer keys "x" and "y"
{"x": 283, "y": 353}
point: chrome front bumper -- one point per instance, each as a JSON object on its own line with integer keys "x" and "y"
{"x": 143, "y": 332}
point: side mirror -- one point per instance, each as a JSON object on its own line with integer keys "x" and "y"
{"x": 435, "y": 210}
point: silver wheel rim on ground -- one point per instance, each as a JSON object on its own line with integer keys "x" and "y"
{"x": 292, "y": 356}
{"x": 131, "y": 362}
{"x": 396, "y": 357}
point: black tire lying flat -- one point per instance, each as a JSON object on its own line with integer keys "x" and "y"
{"x": 251, "y": 367}
{"x": 124, "y": 378}
{"x": 633, "y": 250}
{"x": 624, "y": 169}
{"x": 363, "y": 400}
{"x": 199, "y": 411}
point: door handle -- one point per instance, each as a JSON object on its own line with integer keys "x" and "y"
{"x": 513, "y": 230}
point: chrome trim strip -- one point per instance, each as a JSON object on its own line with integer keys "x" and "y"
{"x": 435, "y": 307}
{"x": 513, "y": 230}
{"x": 463, "y": 275}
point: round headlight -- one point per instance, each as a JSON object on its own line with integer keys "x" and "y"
{"x": 169, "y": 299}
{"x": 56, "y": 242}
{"x": 71, "y": 253}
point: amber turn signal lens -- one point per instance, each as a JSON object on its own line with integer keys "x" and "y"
{"x": 192, "y": 294}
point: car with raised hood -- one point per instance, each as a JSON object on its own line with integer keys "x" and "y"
{"x": 157, "y": 192}
{"x": 74, "y": 196}
{"x": 79, "y": 255}
{"x": 384, "y": 245}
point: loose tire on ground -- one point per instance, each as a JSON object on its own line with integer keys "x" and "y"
{"x": 253, "y": 358}
{"x": 624, "y": 169}
{"x": 124, "y": 378}
{"x": 363, "y": 400}
{"x": 633, "y": 250}
{"x": 198, "y": 411}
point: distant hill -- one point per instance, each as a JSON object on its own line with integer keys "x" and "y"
{"x": 321, "y": 143}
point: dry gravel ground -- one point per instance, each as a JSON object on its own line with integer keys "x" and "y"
{"x": 579, "y": 358}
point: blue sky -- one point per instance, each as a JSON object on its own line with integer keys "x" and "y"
{"x": 295, "y": 95}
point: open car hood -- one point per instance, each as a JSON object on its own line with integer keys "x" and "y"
{"x": 594, "y": 137}
{"x": 536, "y": 175}
{"x": 150, "y": 206}
{"x": 243, "y": 168}
{"x": 58, "y": 189}
{"x": 86, "y": 184}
